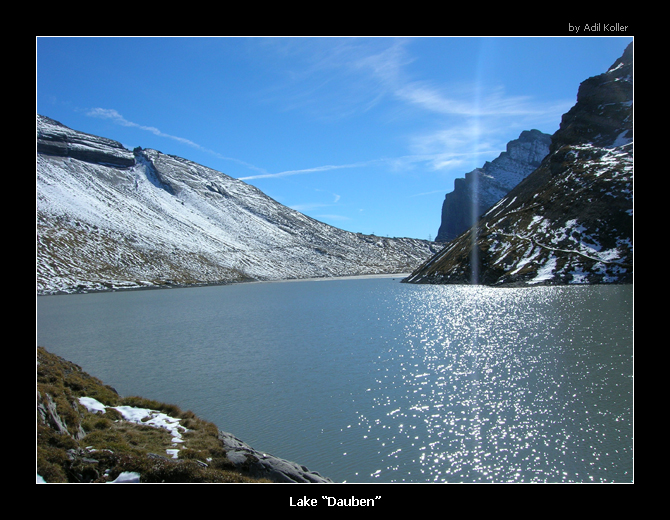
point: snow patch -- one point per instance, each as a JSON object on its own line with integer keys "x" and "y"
{"x": 545, "y": 272}
{"x": 126, "y": 477}
{"x": 143, "y": 416}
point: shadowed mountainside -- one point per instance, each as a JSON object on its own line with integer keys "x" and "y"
{"x": 571, "y": 220}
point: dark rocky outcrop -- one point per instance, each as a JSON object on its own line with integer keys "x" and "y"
{"x": 53, "y": 138}
{"x": 483, "y": 187}
{"x": 603, "y": 114}
{"x": 571, "y": 220}
{"x": 264, "y": 466}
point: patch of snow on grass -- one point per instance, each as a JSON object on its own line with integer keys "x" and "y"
{"x": 126, "y": 477}
{"x": 545, "y": 272}
{"x": 92, "y": 405}
{"x": 143, "y": 416}
{"x": 579, "y": 276}
{"x": 531, "y": 253}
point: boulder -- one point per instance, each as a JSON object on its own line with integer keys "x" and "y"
{"x": 263, "y": 465}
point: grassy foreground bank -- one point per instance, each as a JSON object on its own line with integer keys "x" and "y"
{"x": 78, "y": 445}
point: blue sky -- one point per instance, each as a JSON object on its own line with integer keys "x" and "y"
{"x": 366, "y": 134}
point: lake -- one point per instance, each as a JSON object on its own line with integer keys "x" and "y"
{"x": 370, "y": 380}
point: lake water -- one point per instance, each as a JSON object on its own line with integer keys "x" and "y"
{"x": 371, "y": 380}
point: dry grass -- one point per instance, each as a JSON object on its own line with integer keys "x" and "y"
{"x": 75, "y": 445}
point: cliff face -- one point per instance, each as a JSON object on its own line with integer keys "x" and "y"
{"x": 571, "y": 220}
{"x": 603, "y": 114}
{"x": 110, "y": 218}
{"x": 58, "y": 140}
{"x": 483, "y": 187}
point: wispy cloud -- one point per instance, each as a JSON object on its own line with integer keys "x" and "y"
{"x": 116, "y": 117}
{"x": 454, "y": 147}
{"x": 468, "y": 122}
{"x": 470, "y": 102}
{"x": 387, "y": 67}
{"x": 471, "y": 124}
{"x": 333, "y": 78}
{"x": 325, "y": 168}
{"x": 349, "y": 76}
{"x": 109, "y": 113}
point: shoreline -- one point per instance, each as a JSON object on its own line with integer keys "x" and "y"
{"x": 217, "y": 284}
{"x": 77, "y": 406}
{"x": 402, "y": 276}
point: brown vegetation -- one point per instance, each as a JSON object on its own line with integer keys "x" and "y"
{"x": 76, "y": 445}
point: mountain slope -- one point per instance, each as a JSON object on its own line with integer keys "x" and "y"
{"x": 110, "y": 218}
{"x": 483, "y": 187}
{"x": 571, "y": 220}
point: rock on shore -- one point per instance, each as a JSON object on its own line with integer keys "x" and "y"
{"x": 88, "y": 433}
{"x": 263, "y": 465}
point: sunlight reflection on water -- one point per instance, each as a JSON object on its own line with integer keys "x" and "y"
{"x": 496, "y": 386}
{"x": 377, "y": 381}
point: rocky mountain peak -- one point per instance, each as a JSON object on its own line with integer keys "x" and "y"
{"x": 571, "y": 220}
{"x": 483, "y": 187}
{"x": 603, "y": 112}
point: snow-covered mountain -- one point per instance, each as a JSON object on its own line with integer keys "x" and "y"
{"x": 109, "y": 218}
{"x": 571, "y": 220}
{"x": 483, "y": 187}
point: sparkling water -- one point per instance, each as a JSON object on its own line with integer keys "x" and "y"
{"x": 371, "y": 380}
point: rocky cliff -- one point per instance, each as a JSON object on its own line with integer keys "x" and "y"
{"x": 54, "y": 139}
{"x": 483, "y": 187}
{"x": 571, "y": 220}
{"x": 111, "y": 218}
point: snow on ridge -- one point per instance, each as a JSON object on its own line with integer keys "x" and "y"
{"x": 166, "y": 217}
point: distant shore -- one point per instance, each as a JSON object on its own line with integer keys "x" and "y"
{"x": 216, "y": 284}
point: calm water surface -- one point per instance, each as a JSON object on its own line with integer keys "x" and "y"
{"x": 370, "y": 380}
